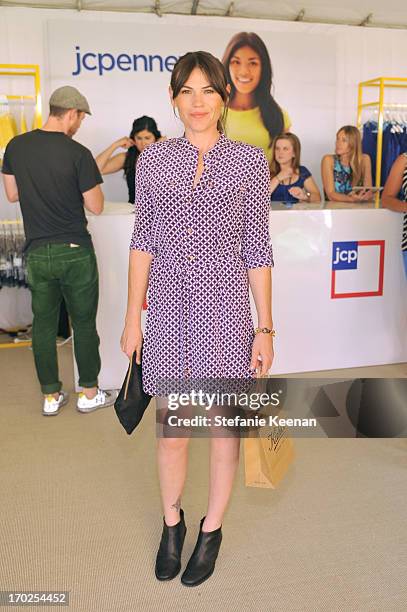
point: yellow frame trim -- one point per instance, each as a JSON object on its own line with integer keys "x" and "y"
{"x": 4, "y": 345}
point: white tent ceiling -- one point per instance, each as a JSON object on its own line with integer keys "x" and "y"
{"x": 367, "y": 13}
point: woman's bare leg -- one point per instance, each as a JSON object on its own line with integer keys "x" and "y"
{"x": 224, "y": 460}
{"x": 172, "y": 461}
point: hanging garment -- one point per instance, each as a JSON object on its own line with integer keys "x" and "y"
{"x": 394, "y": 143}
{"x": 13, "y": 271}
{"x": 369, "y": 145}
{"x": 23, "y": 121}
{"x": 8, "y": 127}
{"x": 36, "y": 122}
{"x": 391, "y": 149}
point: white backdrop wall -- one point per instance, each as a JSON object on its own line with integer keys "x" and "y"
{"x": 316, "y": 69}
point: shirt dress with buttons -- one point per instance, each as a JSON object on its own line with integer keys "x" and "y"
{"x": 203, "y": 241}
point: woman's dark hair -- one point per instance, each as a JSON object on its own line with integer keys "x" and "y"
{"x": 271, "y": 113}
{"x": 129, "y": 167}
{"x": 212, "y": 69}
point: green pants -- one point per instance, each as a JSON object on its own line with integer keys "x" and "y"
{"x": 56, "y": 270}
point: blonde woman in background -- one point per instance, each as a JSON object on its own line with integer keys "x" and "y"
{"x": 290, "y": 182}
{"x": 347, "y": 168}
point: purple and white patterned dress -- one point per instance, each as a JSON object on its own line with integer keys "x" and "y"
{"x": 203, "y": 240}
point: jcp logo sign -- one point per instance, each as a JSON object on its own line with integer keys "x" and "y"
{"x": 344, "y": 256}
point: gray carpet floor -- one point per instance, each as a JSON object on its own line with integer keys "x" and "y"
{"x": 80, "y": 512}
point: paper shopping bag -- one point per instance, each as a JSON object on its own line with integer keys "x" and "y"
{"x": 267, "y": 459}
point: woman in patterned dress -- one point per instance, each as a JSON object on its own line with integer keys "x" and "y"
{"x": 200, "y": 239}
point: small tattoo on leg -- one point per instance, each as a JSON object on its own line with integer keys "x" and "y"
{"x": 177, "y": 505}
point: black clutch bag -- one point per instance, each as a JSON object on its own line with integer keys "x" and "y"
{"x": 132, "y": 401}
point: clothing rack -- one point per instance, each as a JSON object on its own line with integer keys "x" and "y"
{"x": 31, "y": 98}
{"x": 12, "y": 260}
{"x": 12, "y": 263}
{"x": 382, "y": 84}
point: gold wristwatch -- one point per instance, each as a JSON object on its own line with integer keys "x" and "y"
{"x": 265, "y": 330}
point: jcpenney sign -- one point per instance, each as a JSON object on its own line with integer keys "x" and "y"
{"x": 106, "y": 62}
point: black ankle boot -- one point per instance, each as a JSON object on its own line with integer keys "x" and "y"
{"x": 202, "y": 562}
{"x": 168, "y": 562}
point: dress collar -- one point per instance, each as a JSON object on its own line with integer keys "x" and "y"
{"x": 219, "y": 144}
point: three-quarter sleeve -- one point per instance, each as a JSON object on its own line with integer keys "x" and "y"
{"x": 142, "y": 238}
{"x": 256, "y": 249}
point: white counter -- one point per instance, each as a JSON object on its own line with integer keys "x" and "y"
{"x": 317, "y": 328}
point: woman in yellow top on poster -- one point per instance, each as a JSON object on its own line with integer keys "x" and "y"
{"x": 253, "y": 114}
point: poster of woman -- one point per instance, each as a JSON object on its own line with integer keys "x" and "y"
{"x": 254, "y": 116}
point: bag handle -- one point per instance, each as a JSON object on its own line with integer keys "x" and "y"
{"x": 128, "y": 377}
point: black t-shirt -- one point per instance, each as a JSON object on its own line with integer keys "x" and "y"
{"x": 51, "y": 171}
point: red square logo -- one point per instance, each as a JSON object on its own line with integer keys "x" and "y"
{"x": 366, "y": 277}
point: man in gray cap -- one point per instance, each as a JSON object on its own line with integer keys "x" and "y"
{"x": 54, "y": 178}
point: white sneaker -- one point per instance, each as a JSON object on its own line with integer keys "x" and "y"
{"x": 102, "y": 399}
{"x": 52, "y": 406}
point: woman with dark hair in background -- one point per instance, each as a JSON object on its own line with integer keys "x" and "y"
{"x": 290, "y": 182}
{"x": 347, "y": 168}
{"x": 143, "y": 133}
{"x": 253, "y": 114}
{"x": 200, "y": 240}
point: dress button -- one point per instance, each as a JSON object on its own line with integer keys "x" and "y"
{"x": 187, "y": 372}
{"x": 189, "y": 230}
{"x": 191, "y": 257}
